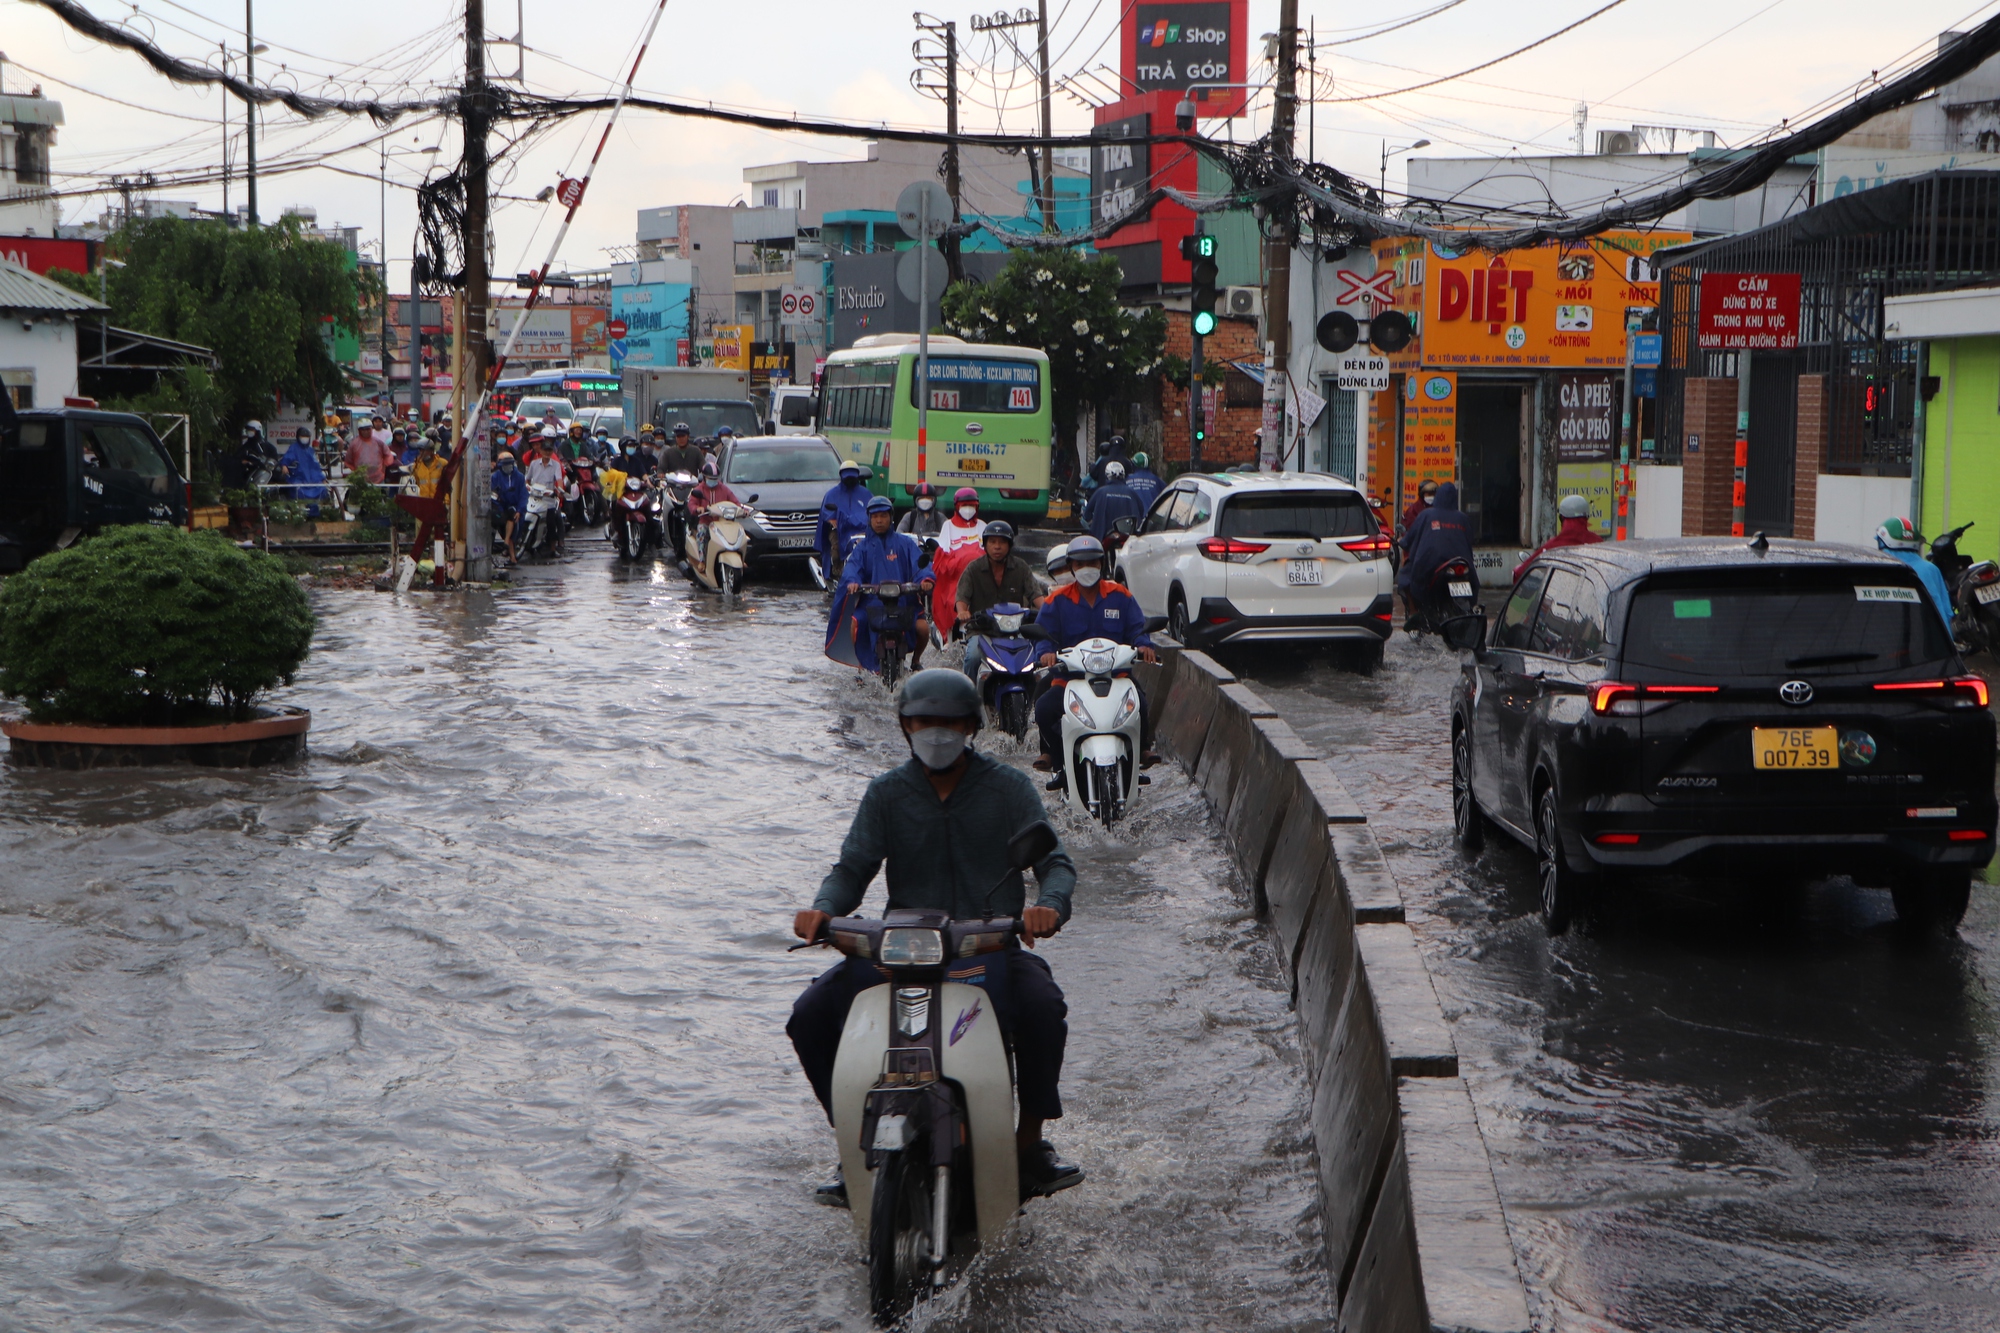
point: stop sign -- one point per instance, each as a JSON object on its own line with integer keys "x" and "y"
{"x": 616, "y": 328}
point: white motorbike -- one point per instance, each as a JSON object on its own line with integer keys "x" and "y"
{"x": 923, "y": 1094}
{"x": 1102, "y": 727}
{"x": 542, "y": 526}
{"x": 715, "y": 548}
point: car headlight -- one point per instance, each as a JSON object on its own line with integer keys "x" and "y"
{"x": 1126, "y": 709}
{"x": 909, "y": 947}
{"x": 1080, "y": 713}
{"x": 1099, "y": 664}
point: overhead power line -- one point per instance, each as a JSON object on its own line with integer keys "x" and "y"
{"x": 1489, "y": 64}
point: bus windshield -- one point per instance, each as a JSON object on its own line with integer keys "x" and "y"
{"x": 982, "y": 384}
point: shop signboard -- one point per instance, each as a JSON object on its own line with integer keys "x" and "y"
{"x": 730, "y": 347}
{"x": 545, "y": 336}
{"x": 654, "y": 319}
{"x": 1751, "y": 312}
{"x": 587, "y": 333}
{"x": 39, "y": 254}
{"x": 1430, "y": 430}
{"x": 1121, "y": 166}
{"x": 1169, "y": 46}
{"x": 1587, "y": 408}
{"x": 771, "y": 361}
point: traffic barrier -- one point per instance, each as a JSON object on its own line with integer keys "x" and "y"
{"x": 1404, "y": 1249}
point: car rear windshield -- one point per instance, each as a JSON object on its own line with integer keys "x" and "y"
{"x": 1312, "y": 514}
{"x": 1827, "y": 621}
{"x": 805, "y": 463}
{"x": 705, "y": 419}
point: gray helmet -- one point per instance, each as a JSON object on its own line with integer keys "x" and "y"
{"x": 940, "y": 692}
{"x": 1057, "y": 559}
{"x": 1000, "y": 528}
{"x": 1114, "y": 471}
{"x": 1574, "y": 506}
{"x": 1085, "y": 547}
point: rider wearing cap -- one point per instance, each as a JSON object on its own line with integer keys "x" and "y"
{"x": 937, "y": 825}
{"x": 923, "y": 520}
{"x": 963, "y": 528}
{"x": 1093, "y": 607}
{"x": 1899, "y": 537}
{"x": 1001, "y": 577}
{"x": 1110, "y": 502}
{"x": 843, "y": 516}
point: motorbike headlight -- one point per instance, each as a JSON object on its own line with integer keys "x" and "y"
{"x": 909, "y": 947}
{"x": 1126, "y": 709}
{"x": 1008, "y": 624}
{"x": 1099, "y": 664}
{"x": 1080, "y": 713}
{"x": 1000, "y": 667}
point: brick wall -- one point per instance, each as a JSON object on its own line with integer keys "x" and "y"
{"x": 1708, "y": 456}
{"x": 1810, "y": 454}
{"x": 1231, "y": 431}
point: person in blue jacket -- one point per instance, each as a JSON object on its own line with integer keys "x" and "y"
{"x": 300, "y": 467}
{"x": 1142, "y": 481}
{"x": 1110, "y": 502}
{"x": 1092, "y": 607}
{"x": 1898, "y": 536}
{"x": 883, "y": 555}
{"x": 510, "y": 498}
{"x": 843, "y": 516}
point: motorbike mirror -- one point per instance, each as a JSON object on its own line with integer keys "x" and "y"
{"x": 1034, "y": 633}
{"x": 1125, "y": 526}
{"x": 1466, "y": 633}
{"x": 1032, "y": 845}
{"x": 1154, "y": 624}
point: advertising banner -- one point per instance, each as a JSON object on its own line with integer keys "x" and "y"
{"x": 1171, "y": 46}
{"x": 587, "y": 336}
{"x": 1587, "y": 443}
{"x": 1430, "y": 430}
{"x": 655, "y": 319}
{"x": 774, "y": 362}
{"x": 39, "y": 254}
{"x": 545, "y": 338}
{"x": 1120, "y": 170}
{"x": 730, "y": 347}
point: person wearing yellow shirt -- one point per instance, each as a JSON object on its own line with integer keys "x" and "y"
{"x": 427, "y": 467}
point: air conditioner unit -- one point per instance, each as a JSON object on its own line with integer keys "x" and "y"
{"x": 1620, "y": 141}
{"x": 1245, "y": 301}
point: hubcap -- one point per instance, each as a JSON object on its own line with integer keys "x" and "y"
{"x": 1546, "y": 854}
{"x": 1461, "y": 785}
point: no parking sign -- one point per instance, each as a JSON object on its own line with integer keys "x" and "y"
{"x": 798, "y": 305}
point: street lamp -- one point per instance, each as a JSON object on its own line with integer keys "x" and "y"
{"x": 1388, "y": 152}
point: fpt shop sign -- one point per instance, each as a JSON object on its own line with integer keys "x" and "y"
{"x": 1170, "y": 46}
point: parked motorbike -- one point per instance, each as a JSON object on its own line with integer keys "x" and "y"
{"x": 1452, "y": 591}
{"x": 923, "y": 1093}
{"x": 1975, "y": 592}
{"x": 892, "y": 618}
{"x": 586, "y": 495}
{"x": 1102, "y": 726}
{"x": 542, "y": 526}
{"x": 1007, "y": 681}
{"x": 635, "y": 526}
{"x": 715, "y": 547}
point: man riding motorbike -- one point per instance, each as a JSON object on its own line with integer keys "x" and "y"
{"x": 1112, "y": 450}
{"x": 1000, "y": 577}
{"x": 941, "y": 823}
{"x": 510, "y": 500}
{"x": 1142, "y": 481}
{"x": 1442, "y": 535}
{"x": 883, "y": 555}
{"x": 1093, "y": 607}
{"x": 843, "y": 516}
{"x": 300, "y": 468}
{"x": 681, "y": 453}
{"x": 923, "y": 520}
{"x": 1899, "y": 537}
{"x": 1110, "y": 502}
{"x": 1575, "y": 531}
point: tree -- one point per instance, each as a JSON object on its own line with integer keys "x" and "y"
{"x": 1066, "y": 303}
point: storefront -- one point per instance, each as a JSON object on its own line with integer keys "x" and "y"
{"x": 1958, "y": 470}
{"x": 1513, "y": 386}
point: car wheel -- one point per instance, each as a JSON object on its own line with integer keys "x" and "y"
{"x": 1565, "y": 892}
{"x": 1466, "y": 820}
{"x": 1933, "y": 900}
{"x": 1177, "y": 619}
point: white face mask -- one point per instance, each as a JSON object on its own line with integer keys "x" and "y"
{"x": 1064, "y": 577}
{"x": 938, "y": 748}
{"x": 1088, "y": 575}
{"x": 967, "y": 513}
{"x": 926, "y": 504}
{"x": 1430, "y": 500}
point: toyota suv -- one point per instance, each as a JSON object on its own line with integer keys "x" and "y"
{"x": 1716, "y": 706}
{"x": 1241, "y": 557}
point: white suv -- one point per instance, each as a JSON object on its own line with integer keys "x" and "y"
{"x": 1238, "y": 556}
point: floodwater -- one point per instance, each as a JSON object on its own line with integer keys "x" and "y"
{"x": 475, "y": 1020}
{"x": 1727, "y": 1108}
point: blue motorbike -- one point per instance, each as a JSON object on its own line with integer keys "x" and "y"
{"x": 1007, "y": 679}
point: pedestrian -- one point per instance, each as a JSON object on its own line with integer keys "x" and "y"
{"x": 368, "y": 457}
{"x": 427, "y": 467}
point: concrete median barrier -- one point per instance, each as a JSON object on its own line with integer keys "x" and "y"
{"x": 1412, "y": 1237}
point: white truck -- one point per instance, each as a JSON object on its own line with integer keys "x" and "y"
{"x": 702, "y": 396}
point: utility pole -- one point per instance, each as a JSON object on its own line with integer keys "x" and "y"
{"x": 1278, "y": 265}
{"x": 953, "y": 264}
{"x": 250, "y": 108}
{"x": 1048, "y": 152}
{"x": 416, "y": 313}
{"x": 474, "y": 114}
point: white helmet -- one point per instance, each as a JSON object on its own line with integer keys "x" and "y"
{"x": 1057, "y": 560}
{"x": 1114, "y": 471}
{"x": 1574, "y": 506}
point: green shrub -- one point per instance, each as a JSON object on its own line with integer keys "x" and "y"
{"x": 150, "y": 625}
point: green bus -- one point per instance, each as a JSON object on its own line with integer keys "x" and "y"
{"x": 989, "y": 420}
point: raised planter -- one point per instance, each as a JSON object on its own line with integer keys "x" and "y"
{"x": 276, "y": 737}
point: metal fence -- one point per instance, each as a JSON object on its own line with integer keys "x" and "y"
{"x": 1927, "y": 233}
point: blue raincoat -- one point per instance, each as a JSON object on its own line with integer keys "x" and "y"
{"x": 891, "y": 557}
{"x": 1144, "y": 483}
{"x": 843, "y": 512}
{"x": 300, "y": 466}
{"x": 1109, "y": 503}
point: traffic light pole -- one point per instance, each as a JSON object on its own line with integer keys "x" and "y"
{"x": 1199, "y": 251}
{"x": 1197, "y": 421}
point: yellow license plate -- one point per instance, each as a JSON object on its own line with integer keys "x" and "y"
{"x": 1803, "y": 748}
{"x": 972, "y": 465}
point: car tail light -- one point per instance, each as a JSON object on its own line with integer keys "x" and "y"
{"x": 1006, "y": 494}
{"x": 1967, "y": 835}
{"x": 1230, "y": 550}
{"x": 1377, "y": 544}
{"x": 1965, "y": 691}
{"x": 1621, "y": 700}
{"x": 1617, "y": 839}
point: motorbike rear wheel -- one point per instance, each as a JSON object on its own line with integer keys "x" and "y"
{"x": 898, "y": 1235}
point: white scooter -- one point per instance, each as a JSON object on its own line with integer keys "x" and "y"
{"x": 1102, "y": 727}
{"x": 716, "y": 546}
{"x": 923, "y": 1094}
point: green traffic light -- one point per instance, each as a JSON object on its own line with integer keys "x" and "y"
{"x": 1205, "y": 246}
{"x": 1204, "y": 323}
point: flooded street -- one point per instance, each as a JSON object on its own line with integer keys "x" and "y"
{"x": 1745, "y": 1107}
{"x": 475, "y": 1020}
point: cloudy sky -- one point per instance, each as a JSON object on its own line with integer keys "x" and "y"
{"x": 1735, "y": 66}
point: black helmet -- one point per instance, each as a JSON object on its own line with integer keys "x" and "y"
{"x": 1001, "y": 528}
{"x": 924, "y": 491}
{"x": 940, "y": 692}
{"x": 680, "y": 428}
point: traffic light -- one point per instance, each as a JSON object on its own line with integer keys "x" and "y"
{"x": 1199, "y": 251}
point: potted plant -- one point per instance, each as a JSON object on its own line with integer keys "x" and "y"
{"x": 244, "y": 515}
{"x": 148, "y": 645}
